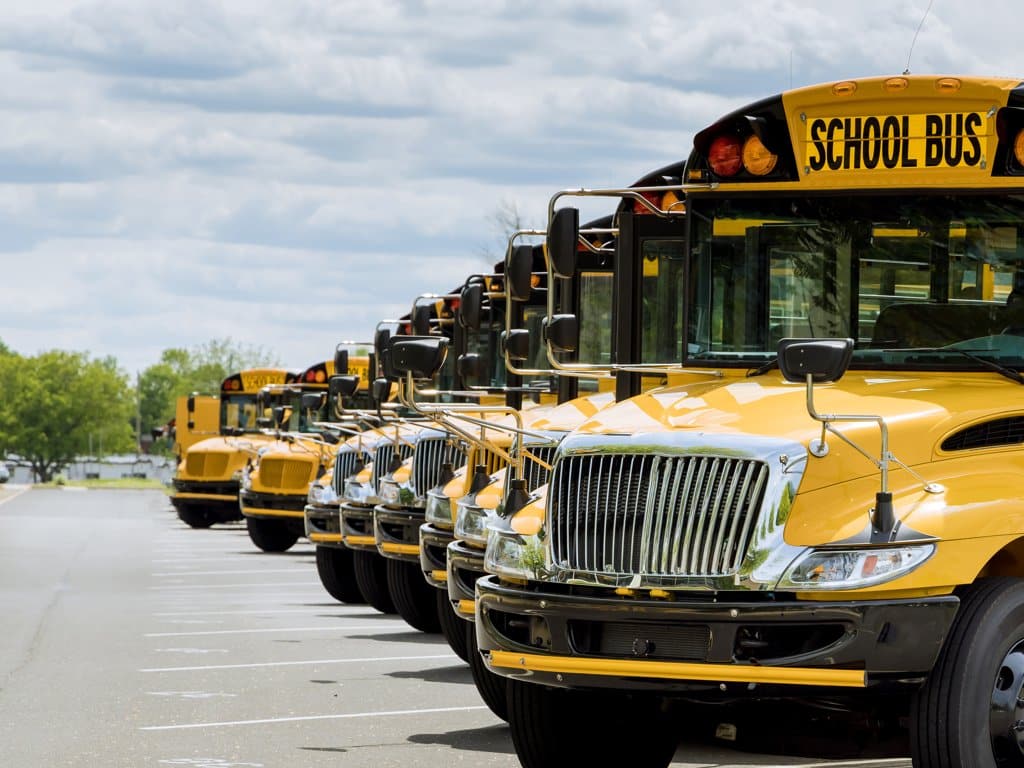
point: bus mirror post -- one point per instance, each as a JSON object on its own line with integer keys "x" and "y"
{"x": 518, "y": 272}
{"x": 340, "y": 361}
{"x": 563, "y": 241}
{"x": 470, "y": 302}
{"x": 516, "y": 344}
{"x": 562, "y": 333}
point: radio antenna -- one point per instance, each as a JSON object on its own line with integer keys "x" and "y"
{"x": 914, "y": 41}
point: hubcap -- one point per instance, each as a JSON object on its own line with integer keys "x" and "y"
{"x": 1006, "y": 714}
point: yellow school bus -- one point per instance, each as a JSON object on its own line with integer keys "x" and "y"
{"x": 207, "y": 478}
{"x": 196, "y": 417}
{"x": 838, "y": 519}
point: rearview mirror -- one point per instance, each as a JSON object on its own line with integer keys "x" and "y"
{"x": 345, "y": 386}
{"x": 519, "y": 271}
{"x": 470, "y": 366}
{"x": 516, "y": 343}
{"x": 340, "y": 361}
{"x": 380, "y": 390}
{"x": 421, "y": 319}
{"x": 563, "y": 241}
{"x": 470, "y": 302}
{"x": 312, "y": 401}
{"x": 191, "y": 403}
{"x": 562, "y": 332}
{"x": 824, "y": 360}
{"x": 421, "y": 356}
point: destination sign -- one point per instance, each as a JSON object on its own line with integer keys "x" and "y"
{"x": 876, "y": 142}
{"x": 253, "y": 381}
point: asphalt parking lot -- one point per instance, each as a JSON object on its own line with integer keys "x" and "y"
{"x": 132, "y": 640}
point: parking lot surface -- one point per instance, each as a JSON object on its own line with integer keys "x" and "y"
{"x": 129, "y": 639}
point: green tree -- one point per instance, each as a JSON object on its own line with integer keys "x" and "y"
{"x": 58, "y": 405}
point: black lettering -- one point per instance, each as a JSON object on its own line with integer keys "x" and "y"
{"x": 817, "y": 161}
{"x": 908, "y": 161}
{"x": 890, "y": 142}
{"x": 933, "y": 140}
{"x": 835, "y": 162}
{"x": 954, "y": 140}
{"x": 872, "y": 146}
{"x": 973, "y": 155}
{"x": 852, "y": 143}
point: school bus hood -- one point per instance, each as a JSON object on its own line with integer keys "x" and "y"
{"x": 571, "y": 414}
{"x": 920, "y": 409}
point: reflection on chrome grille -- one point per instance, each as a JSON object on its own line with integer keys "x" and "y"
{"x": 536, "y": 474}
{"x": 344, "y": 467}
{"x": 382, "y": 458}
{"x": 208, "y": 465}
{"x": 286, "y": 474}
{"x": 431, "y": 454}
{"x": 491, "y": 460}
{"x": 654, "y": 515}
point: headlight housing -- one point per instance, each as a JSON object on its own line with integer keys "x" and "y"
{"x": 471, "y": 522}
{"x": 515, "y": 556}
{"x": 246, "y": 481}
{"x": 853, "y": 568}
{"x": 439, "y": 510}
{"x": 322, "y": 494}
{"x": 389, "y": 491}
{"x": 361, "y": 493}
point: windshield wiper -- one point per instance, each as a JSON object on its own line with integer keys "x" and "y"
{"x": 764, "y": 368}
{"x": 990, "y": 364}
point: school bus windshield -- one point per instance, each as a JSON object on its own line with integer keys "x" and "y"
{"x": 238, "y": 412}
{"x": 894, "y": 273}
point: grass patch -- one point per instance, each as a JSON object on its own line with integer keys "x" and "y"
{"x": 126, "y": 483}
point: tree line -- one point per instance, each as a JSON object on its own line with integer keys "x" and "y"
{"x": 57, "y": 406}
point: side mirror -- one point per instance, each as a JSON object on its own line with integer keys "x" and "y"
{"x": 340, "y": 361}
{"x": 562, "y": 332}
{"x": 380, "y": 341}
{"x": 516, "y": 343}
{"x": 824, "y": 360}
{"x": 470, "y": 302}
{"x": 380, "y": 389}
{"x": 421, "y": 319}
{"x": 312, "y": 401}
{"x": 191, "y": 403}
{"x": 518, "y": 272}
{"x": 345, "y": 386}
{"x": 280, "y": 415}
{"x": 471, "y": 366}
{"x": 563, "y": 241}
{"x": 421, "y": 356}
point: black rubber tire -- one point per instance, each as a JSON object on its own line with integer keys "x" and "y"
{"x": 491, "y": 687}
{"x": 337, "y": 574}
{"x": 372, "y": 579}
{"x": 452, "y": 627}
{"x": 555, "y": 727}
{"x": 954, "y": 706}
{"x": 195, "y": 517}
{"x": 412, "y": 596}
{"x": 271, "y": 535}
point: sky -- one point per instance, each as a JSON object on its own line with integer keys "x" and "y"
{"x": 286, "y": 174}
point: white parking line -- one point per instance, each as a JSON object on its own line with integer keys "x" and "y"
{"x": 312, "y": 609}
{"x": 13, "y": 493}
{"x": 350, "y": 716}
{"x": 332, "y": 628}
{"x": 231, "y": 573}
{"x": 204, "y": 587}
{"x": 371, "y": 660}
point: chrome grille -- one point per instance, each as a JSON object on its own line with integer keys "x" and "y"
{"x": 344, "y": 467}
{"x": 285, "y": 474}
{"x": 629, "y": 514}
{"x": 536, "y": 474}
{"x": 431, "y": 454}
{"x": 383, "y": 455}
{"x": 491, "y": 460}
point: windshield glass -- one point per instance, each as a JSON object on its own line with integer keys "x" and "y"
{"x": 895, "y": 274}
{"x": 238, "y": 412}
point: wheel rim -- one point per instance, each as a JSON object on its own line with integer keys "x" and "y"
{"x": 1006, "y": 714}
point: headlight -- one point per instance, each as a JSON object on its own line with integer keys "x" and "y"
{"x": 853, "y": 568}
{"x": 246, "y": 481}
{"x": 388, "y": 491}
{"x": 358, "y": 492}
{"x": 513, "y": 555}
{"x": 236, "y": 476}
{"x": 322, "y": 494}
{"x": 439, "y": 510}
{"x": 471, "y": 522}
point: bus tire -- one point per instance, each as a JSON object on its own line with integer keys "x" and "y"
{"x": 270, "y": 535}
{"x": 337, "y": 574}
{"x": 372, "y": 580}
{"x": 452, "y": 627}
{"x": 555, "y": 727}
{"x": 976, "y": 687}
{"x": 195, "y": 517}
{"x": 412, "y": 596}
{"x": 491, "y": 687}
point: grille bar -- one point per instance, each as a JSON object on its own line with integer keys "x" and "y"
{"x": 344, "y": 467}
{"x": 430, "y": 456}
{"x": 645, "y": 514}
{"x": 383, "y": 455}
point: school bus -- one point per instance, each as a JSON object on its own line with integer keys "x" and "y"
{"x": 209, "y": 471}
{"x": 196, "y": 417}
{"x": 838, "y": 518}
{"x": 276, "y": 481}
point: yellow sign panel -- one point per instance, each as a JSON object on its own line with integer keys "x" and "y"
{"x": 254, "y": 380}
{"x": 896, "y": 142}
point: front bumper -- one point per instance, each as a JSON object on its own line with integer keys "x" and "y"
{"x": 434, "y": 543}
{"x": 219, "y": 499}
{"x": 273, "y": 505}
{"x": 465, "y": 566}
{"x": 323, "y": 525}
{"x": 357, "y": 527}
{"x": 577, "y": 637}
{"x": 397, "y": 532}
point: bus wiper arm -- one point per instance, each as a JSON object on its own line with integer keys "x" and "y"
{"x": 990, "y": 364}
{"x": 764, "y": 368}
